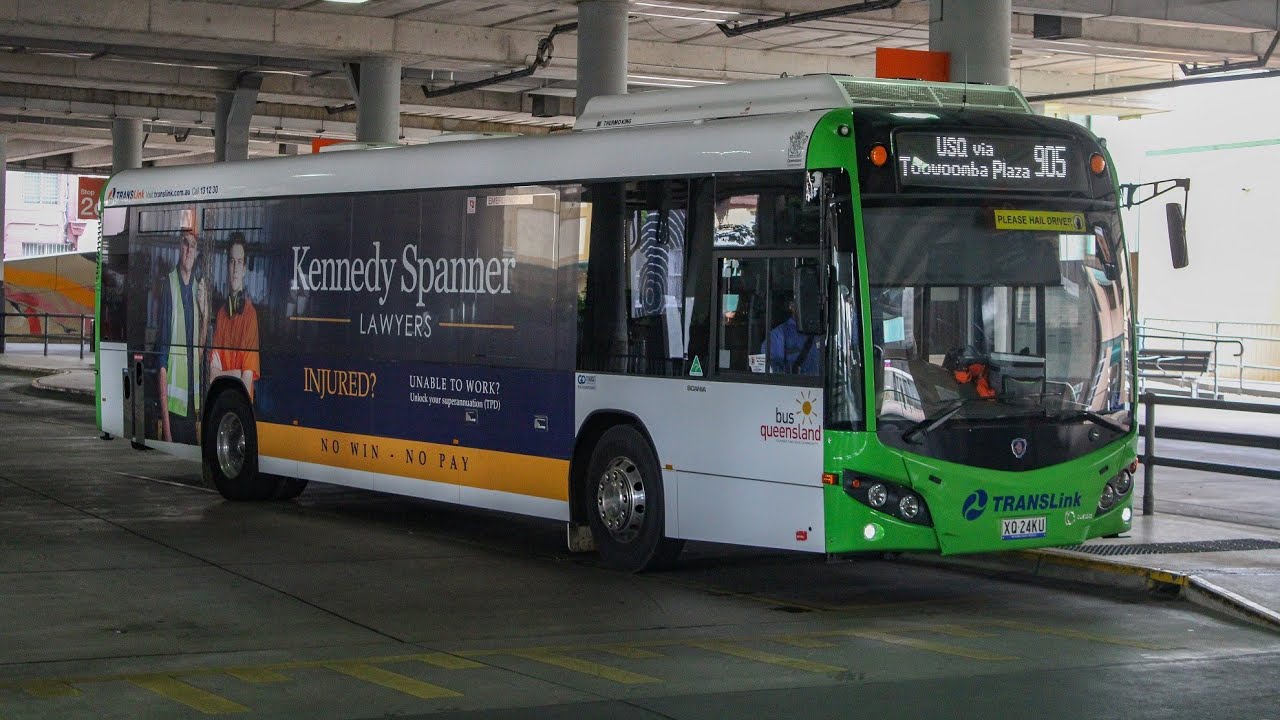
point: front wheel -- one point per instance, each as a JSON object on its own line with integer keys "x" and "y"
{"x": 625, "y": 503}
{"x": 231, "y": 450}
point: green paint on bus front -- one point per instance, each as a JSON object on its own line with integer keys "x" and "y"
{"x": 1066, "y": 495}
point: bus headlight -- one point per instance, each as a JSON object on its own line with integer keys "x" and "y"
{"x": 909, "y": 507}
{"x": 1123, "y": 482}
{"x": 1108, "y": 497}
{"x": 877, "y": 495}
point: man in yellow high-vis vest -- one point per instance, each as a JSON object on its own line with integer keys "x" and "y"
{"x": 180, "y": 336}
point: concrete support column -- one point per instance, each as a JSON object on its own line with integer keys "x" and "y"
{"x": 126, "y": 144}
{"x": 232, "y": 119}
{"x": 4, "y": 231}
{"x": 602, "y": 49}
{"x": 977, "y": 34}
{"x": 377, "y": 82}
{"x": 221, "y": 114}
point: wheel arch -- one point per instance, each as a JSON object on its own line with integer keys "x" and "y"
{"x": 216, "y": 388}
{"x": 595, "y": 426}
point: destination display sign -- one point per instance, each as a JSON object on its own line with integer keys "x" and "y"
{"x": 988, "y": 161}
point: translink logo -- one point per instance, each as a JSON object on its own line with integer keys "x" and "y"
{"x": 976, "y": 503}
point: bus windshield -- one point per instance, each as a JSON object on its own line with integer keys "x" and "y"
{"x": 997, "y": 313}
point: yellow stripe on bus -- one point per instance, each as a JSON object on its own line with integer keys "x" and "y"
{"x": 454, "y": 464}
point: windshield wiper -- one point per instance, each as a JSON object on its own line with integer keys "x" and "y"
{"x": 1092, "y": 416}
{"x": 929, "y": 424}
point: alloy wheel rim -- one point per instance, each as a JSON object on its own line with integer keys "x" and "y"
{"x": 230, "y": 445}
{"x": 620, "y": 499}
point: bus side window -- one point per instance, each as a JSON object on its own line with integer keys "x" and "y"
{"x": 743, "y": 313}
{"x": 639, "y": 331}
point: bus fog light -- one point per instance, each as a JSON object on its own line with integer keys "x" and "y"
{"x": 1108, "y": 497}
{"x": 877, "y": 495}
{"x": 872, "y": 532}
{"x": 909, "y": 507}
{"x": 1126, "y": 514}
{"x": 1123, "y": 483}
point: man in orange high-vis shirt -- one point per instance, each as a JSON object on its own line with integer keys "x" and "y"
{"x": 235, "y": 333}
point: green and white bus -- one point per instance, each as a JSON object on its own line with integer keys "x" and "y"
{"x": 820, "y": 313}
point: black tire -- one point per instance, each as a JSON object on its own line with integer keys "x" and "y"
{"x": 289, "y": 488}
{"x": 232, "y": 467}
{"x": 624, "y": 501}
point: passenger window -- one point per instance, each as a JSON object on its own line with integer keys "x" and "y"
{"x": 758, "y": 330}
{"x": 737, "y": 220}
{"x": 743, "y": 313}
{"x": 632, "y": 300}
{"x": 765, "y": 210}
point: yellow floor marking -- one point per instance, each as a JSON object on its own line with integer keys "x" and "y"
{"x": 634, "y": 653}
{"x": 953, "y": 630}
{"x": 1077, "y": 635}
{"x": 50, "y": 689}
{"x": 765, "y": 657}
{"x": 392, "y": 680}
{"x": 256, "y": 675}
{"x": 586, "y": 667}
{"x": 189, "y": 695}
{"x": 801, "y": 642}
{"x": 926, "y": 645}
{"x": 447, "y": 661}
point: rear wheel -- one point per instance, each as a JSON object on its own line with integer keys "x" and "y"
{"x": 231, "y": 450}
{"x": 289, "y": 488}
{"x": 625, "y": 503}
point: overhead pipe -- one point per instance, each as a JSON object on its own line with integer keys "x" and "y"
{"x": 540, "y": 61}
{"x": 1144, "y": 87}
{"x": 1195, "y": 69}
{"x": 734, "y": 29}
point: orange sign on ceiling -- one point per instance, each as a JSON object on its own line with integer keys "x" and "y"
{"x": 902, "y": 64}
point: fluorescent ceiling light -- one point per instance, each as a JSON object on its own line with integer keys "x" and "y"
{"x": 690, "y": 9}
{"x": 658, "y": 78}
{"x": 348, "y": 2}
{"x": 676, "y": 17}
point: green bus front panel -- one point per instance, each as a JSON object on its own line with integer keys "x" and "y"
{"x": 966, "y": 505}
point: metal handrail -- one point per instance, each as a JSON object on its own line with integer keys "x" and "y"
{"x": 85, "y": 329}
{"x": 1150, "y": 324}
{"x": 1215, "y": 341}
{"x": 1150, "y": 433}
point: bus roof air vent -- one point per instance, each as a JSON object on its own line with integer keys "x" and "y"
{"x": 787, "y": 95}
{"x": 932, "y": 94}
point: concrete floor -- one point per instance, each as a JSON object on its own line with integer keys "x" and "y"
{"x": 128, "y": 591}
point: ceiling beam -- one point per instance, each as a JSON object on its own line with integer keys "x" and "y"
{"x": 19, "y": 150}
{"x": 1244, "y": 15}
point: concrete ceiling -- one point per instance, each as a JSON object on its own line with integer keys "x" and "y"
{"x": 70, "y": 66}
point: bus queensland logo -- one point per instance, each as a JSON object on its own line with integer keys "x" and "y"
{"x": 1019, "y": 447}
{"x": 801, "y": 422}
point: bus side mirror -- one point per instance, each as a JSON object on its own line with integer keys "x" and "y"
{"x": 1177, "y": 234}
{"x": 808, "y": 299}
